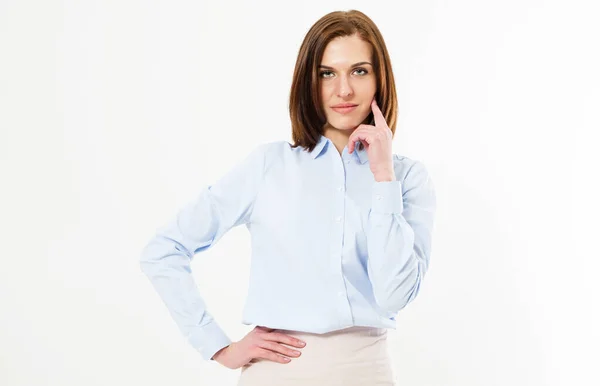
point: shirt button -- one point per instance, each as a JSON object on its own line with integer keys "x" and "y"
{"x": 347, "y": 161}
{"x": 341, "y": 188}
{"x": 338, "y": 219}
{"x": 378, "y": 197}
{"x": 341, "y": 293}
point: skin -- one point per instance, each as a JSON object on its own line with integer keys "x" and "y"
{"x": 262, "y": 343}
{"x": 341, "y": 80}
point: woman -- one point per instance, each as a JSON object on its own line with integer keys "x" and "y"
{"x": 340, "y": 226}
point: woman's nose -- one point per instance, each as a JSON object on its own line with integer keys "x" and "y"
{"x": 344, "y": 87}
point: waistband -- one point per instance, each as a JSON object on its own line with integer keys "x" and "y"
{"x": 352, "y": 331}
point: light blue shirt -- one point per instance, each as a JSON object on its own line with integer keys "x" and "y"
{"x": 330, "y": 246}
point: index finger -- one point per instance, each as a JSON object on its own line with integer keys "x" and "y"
{"x": 377, "y": 115}
{"x": 285, "y": 338}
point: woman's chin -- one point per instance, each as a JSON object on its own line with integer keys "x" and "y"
{"x": 345, "y": 126}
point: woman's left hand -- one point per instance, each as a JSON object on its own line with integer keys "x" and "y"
{"x": 377, "y": 141}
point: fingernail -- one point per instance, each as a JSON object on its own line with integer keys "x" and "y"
{"x": 302, "y": 343}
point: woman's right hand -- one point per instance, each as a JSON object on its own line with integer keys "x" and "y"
{"x": 260, "y": 343}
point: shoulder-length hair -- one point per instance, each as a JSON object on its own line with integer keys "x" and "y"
{"x": 306, "y": 111}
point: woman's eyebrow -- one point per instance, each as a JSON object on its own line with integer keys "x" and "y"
{"x": 354, "y": 65}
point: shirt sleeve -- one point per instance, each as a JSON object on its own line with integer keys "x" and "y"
{"x": 399, "y": 230}
{"x": 196, "y": 227}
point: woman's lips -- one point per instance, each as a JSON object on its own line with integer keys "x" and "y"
{"x": 344, "y": 110}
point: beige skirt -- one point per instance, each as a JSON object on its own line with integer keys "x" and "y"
{"x": 350, "y": 357}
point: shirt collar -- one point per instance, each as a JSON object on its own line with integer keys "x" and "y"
{"x": 324, "y": 142}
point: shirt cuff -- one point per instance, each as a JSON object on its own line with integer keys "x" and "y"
{"x": 387, "y": 197}
{"x": 209, "y": 339}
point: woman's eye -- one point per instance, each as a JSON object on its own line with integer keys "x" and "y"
{"x": 329, "y": 74}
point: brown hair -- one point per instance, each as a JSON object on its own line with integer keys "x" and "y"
{"x": 306, "y": 113}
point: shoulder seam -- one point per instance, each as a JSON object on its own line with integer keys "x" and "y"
{"x": 410, "y": 169}
{"x": 266, "y": 148}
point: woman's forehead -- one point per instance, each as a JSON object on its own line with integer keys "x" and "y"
{"x": 346, "y": 51}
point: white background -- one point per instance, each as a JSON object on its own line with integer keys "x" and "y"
{"x": 113, "y": 114}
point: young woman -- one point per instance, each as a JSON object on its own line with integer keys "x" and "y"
{"x": 340, "y": 226}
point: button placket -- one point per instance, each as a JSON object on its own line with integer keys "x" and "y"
{"x": 338, "y": 217}
{"x": 338, "y": 285}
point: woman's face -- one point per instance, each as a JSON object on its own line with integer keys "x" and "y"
{"x": 346, "y": 76}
